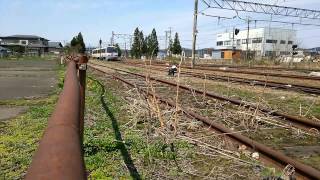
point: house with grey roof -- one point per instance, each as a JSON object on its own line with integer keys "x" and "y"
{"x": 55, "y": 47}
{"x": 4, "y": 52}
{"x": 28, "y": 44}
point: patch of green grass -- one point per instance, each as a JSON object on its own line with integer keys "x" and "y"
{"x": 19, "y": 137}
{"x": 312, "y": 161}
{"x": 104, "y": 155}
{"x": 270, "y": 172}
{"x": 134, "y": 70}
{"x": 290, "y": 104}
{"x": 278, "y": 138}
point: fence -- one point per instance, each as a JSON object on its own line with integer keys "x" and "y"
{"x": 59, "y": 155}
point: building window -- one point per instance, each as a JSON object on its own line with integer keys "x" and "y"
{"x": 282, "y": 42}
{"x": 227, "y": 43}
{"x": 271, "y": 41}
{"x": 256, "y": 40}
{"x": 290, "y": 42}
{"x": 244, "y": 41}
{"x": 270, "y": 53}
{"x": 14, "y": 41}
{"x": 219, "y": 43}
{"x": 23, "y": 42}
{"x": 238, "y": 42}
{"x": 284, "y": 53}
{"x": 33, "y": 42}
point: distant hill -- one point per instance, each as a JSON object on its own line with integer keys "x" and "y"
{"x": 315, "y": 49}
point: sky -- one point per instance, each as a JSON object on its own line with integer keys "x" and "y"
{"x": 60, "y": 20}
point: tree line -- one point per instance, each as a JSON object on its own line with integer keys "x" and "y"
{"x": 142, "y": 45}
{"x": 149, "y": 46}
{"x": 76, "y": 45}
{"x": 175, "y": 47}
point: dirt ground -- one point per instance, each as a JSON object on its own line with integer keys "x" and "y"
{"x": 9, "y": 112}
{"x": 25, "y": 80}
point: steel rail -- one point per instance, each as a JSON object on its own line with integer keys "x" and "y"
{"x": 258, "y": 67}
{"x": 267, "y": 83}
{"x": 248, "y": 67}
{"x": 59, "y": 155}
{"x": 252, "y": 73}
{"x": 303, "y": 169}
{"x": 260, "y": 73}
{"x": 298, "y": 120}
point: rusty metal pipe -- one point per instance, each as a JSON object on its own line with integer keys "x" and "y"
{"x": 82, "y": 79}
{"x": 303, "y": 169}
{"x": 59, "y": 155}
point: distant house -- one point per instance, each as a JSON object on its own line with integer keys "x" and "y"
{"x": 187, "y": 52}
{"x": 3, "y": 52}
{"x": 226, "y": 54}
{"x": 205, "y": 53}
{"x": 55, "y": 47}
{"x": 28, "y": 44}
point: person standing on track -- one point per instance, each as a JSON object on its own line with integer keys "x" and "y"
{"x": 172, "y": 70}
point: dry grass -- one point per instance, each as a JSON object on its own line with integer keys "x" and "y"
{"x": 169, "y": 124}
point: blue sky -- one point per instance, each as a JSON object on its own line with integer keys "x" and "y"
{"x": 59, "y": 20}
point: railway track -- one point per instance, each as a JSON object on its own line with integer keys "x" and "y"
{"x": 304, "y": 70}
{"x": 294, "y": 119}
{"x": 258, "y": 68}
{"x": 132, "y": 79}
{"x": 292, "y": 76}
{"x": 267, "y": 83}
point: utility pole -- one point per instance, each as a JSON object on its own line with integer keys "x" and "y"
{"x": 247, "y": 53}
{"x": 233, "y": 47}
{"x": 194, "y": 38}
{"x": 112, "y": 39}
{"x": 166, "y": 42}
{"x": 170, "y": 32}
{"x": 100, "y": 43}
{"x": 170, "y": 38}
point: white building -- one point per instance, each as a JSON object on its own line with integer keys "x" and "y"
{"x": 263, "y": 41}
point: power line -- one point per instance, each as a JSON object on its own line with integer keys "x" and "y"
{"x": 219, "y": 17}
{"x": 285, "y": 22}
{"x": 244, "y": 6}
{"x": 264, "y": 20}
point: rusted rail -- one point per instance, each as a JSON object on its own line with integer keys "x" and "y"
{"x": 294, "y": 119}
{"x": 267, "y": 83}
{"x": 248, "y": 72}
{"x": 59, "y": 155}
{"x": 277, "y": 68}
{"x": 260, "y": 73}
{"x": 258, "y": 67}
{"x": 279, "y": 157}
